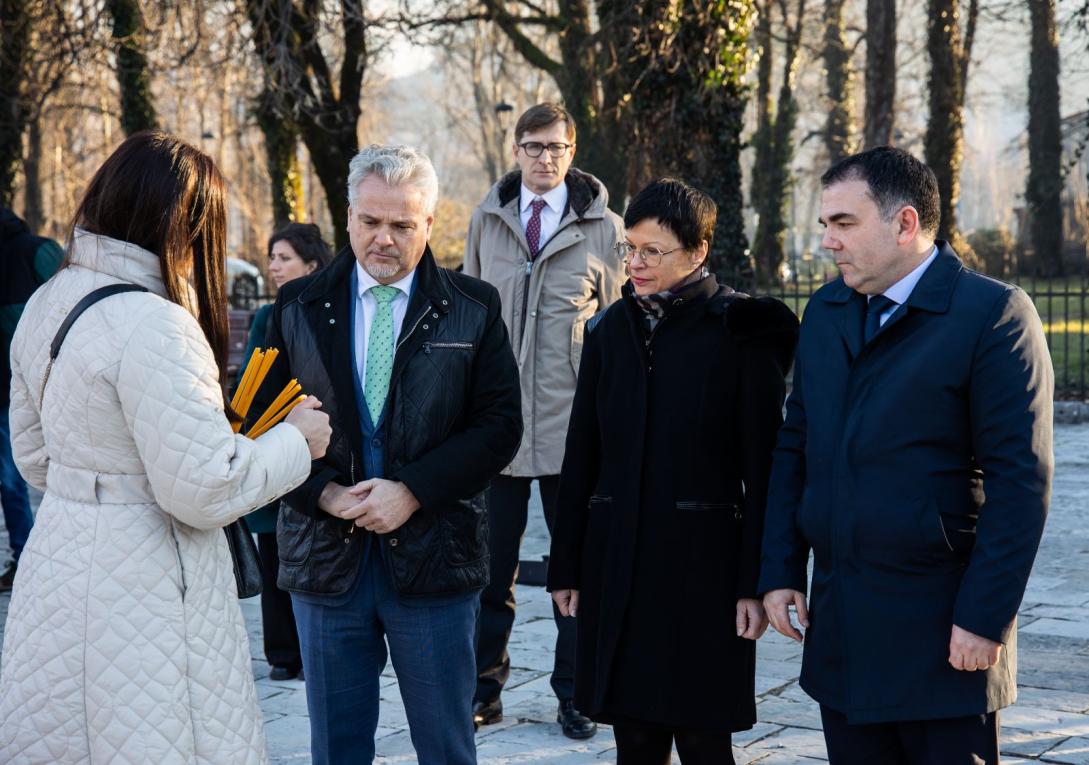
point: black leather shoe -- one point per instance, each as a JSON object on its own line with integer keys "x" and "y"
{"x": 487, "y": 713}
{"x": 283, "y": 673}
{"x": 574, "y": 723}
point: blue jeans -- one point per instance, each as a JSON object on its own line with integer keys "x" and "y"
{"x": 343, "y": 642}
{"x": 13, "y": 493}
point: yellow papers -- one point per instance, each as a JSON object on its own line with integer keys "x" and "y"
{"x": 259, "y": 429}
{"x": 257, "y": 369}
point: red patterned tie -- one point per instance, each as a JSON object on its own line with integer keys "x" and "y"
{"x": 533, "y": 228}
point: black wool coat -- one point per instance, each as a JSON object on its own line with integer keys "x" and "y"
{"x": 917, "y": 468}
{"x": 661, "y": 505}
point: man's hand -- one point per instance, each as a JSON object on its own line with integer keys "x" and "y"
{"x": 567, "y": 601}
{"x": 339, "y": 501}
{"x": 969, "y": 652}
{"x": 752, "y": 620}
{"x": 384, "y": 506}
{"x": 777, "y": 603}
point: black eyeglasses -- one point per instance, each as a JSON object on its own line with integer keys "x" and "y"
{"x": 651, "y": 256}
{"x": 555, "y": 150}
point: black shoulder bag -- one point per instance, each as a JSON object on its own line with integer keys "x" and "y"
{"x": 247, "y": 564}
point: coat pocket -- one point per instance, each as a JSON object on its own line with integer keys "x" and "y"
{"x": 599, "y": 501}
{"x": 294, "y": 536}
{"x": 431, "y": 346}
{"x": 578, "y": 335}
{"x": 730, "y": 508}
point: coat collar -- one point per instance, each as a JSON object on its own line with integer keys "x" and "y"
{"x": 586, "y": 195}
{"x": 121, "y": 260}
{"x": 430, "y": 282}
{"x": 125, "y": 261}
{"x": 933, "y": 293}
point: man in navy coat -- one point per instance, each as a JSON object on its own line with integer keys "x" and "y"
{"x": 915, "y": 463}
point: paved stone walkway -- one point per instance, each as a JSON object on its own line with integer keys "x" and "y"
{"x": 1050, "y": 722}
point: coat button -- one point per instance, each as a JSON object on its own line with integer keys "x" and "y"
{"x": 533, "y": 314}
{"x": 445, "y": 302}
{"x": 332, "y": 321}
{"x": 393, "y": 542}
{"x": 328, "y": 305}
{"x": 425, "y": 326}
{"x": 434, "y": 316}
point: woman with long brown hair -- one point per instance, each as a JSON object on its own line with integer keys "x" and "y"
{"x": 124, "y": 641}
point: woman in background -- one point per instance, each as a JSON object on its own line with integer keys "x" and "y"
{"x": 124, "y": 642}
{"x": 296, "y": 250}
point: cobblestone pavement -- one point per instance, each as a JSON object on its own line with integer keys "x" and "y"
{"x": 1049, "y": 723}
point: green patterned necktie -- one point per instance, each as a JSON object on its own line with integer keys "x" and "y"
{"x": 379, "y": 351}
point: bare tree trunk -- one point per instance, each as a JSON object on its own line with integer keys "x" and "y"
{"x": 324, "y": 107}
{"x": 837, "y": 65}
{"x": 774, "y": 145}
{"x": 14, "y": 54}
{"x": 137, "y": 103}
{"x": 949, "y": 57}
{"x": 33, "y": 211}
{"x": 1045, "y": 182}
{"x": 880, "y": 72}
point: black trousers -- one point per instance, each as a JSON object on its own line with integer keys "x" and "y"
{"x": 277, "y": 617}
{"x": 648, "y": 744}
{"x": 508, "y": 511}
{"x": 954, "y": 741}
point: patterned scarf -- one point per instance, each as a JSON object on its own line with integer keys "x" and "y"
{"x": 656, "y": 306}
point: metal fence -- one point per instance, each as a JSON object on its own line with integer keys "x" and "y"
{"x": 1061, "y": 304}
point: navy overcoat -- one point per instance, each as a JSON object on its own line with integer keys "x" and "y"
{"x": 917, "y": 469}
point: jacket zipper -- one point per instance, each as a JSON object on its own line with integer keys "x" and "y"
{"x": 413, "y": 330}
{"x": 525, "y": 300}
{"x": 351, "y": 473}
{"x": 429, "y": 345}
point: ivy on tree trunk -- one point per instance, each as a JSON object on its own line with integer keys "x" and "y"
{"x": 949, "y": 58}
{"x": 137, "y": 103}
{"x": 14, "y": 53}
{"x": 774, "y": 142}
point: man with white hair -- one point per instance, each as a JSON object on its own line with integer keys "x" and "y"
{"x": 387, "y": 540}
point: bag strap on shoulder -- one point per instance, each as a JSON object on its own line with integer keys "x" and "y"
{"x": 86, "y": 302}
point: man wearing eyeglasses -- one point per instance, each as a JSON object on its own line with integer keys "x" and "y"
{"x": 545, "y": 237}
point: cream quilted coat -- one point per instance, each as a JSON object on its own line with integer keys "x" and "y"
{"x": 124, "y": 642}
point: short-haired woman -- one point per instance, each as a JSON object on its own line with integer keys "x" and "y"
{"x": 661, "y": 500}
{"x": 294, "y": 251}
{"x": 125, "y": 642}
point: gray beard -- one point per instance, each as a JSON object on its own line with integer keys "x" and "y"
{"x": 381, "y": 271}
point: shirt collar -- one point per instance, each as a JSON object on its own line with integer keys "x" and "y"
{"x": 901, "y": 291}
{"x": 555, "y": 199}
{"x": 365, "y": 281}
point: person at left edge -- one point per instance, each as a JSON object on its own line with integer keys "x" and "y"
{"x": 26, "y": 261}
{"x": 387, "y": 540}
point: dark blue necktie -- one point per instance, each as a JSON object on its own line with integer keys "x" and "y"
{"x": 878, "y": 305}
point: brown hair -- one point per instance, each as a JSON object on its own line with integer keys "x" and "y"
{"x": 305, "y": 239}
{"x": 541, "y": 116}
{"x": 161, "y": 194}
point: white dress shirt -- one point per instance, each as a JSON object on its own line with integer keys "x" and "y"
{"x": 901, "y": 291}
{"x": 364, "y": 313}
{"x": 551, "y": 213}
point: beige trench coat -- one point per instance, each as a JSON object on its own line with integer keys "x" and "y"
{"x": 575, "y": 275}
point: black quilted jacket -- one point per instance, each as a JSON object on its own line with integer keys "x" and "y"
{"x": 454, "y": 421}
